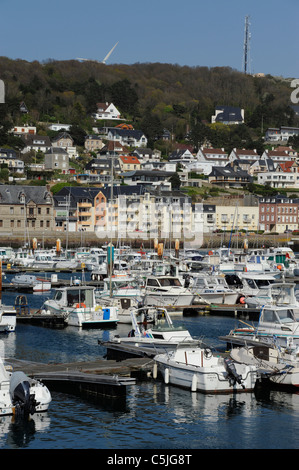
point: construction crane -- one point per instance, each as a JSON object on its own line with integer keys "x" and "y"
{"x": 98, "y": 61}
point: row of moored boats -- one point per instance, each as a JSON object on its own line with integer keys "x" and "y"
{"x": 140, "y": 292}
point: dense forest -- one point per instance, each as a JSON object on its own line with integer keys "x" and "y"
{"x": 151, "y": 96}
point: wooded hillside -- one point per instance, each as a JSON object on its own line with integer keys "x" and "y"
{"x": 151, "y": 96}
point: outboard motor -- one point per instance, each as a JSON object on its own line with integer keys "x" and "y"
{"x": 21, "y": 398}
{"x": 233, "y": 375}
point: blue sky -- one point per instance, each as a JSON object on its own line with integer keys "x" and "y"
{"x": 190, "y": 32}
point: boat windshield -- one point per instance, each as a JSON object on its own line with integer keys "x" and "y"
{"x": 171, "y": 281}
{"x": 278, "y": 316}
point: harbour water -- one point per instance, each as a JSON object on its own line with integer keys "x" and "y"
{"x": 153, "y": 415}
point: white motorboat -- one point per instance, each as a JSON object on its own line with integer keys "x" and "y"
{"x": 214, "y": 289}
{"x": 249, "y": 284}
{"x": 279, "y": 293}
{"x": 274, "y": 322}
{"x": 7, "y": 253}
{"x": 22, "y": 258}
{"x": 20, "y": 395}
{"x": 30, "y": 282}
{"x": 200, "y": 370}
{"x": 167, "y": 291}
{"x": 8, "y": 318}
{"x": 120, "y": 285}
{"x": 277, "y": 364}
{"x": 161, "y": 337}
{"x": 79, "y": 307}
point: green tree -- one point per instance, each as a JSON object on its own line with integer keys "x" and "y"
{"x": 152, "y": 127}
{"x": 175, "y": 181}
{"x": 124, "y": 96}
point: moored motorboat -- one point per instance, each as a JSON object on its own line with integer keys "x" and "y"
{"x": 20, "y": 395}
{"x": 29, "y": 282}
{"x": 167, "y": 291}
{"x": 278, "y": 365}
{"x": 274, "y": 322}
{"x": 213, "y": 288}
{"x": 8, "y": 318}
{"x": 199, "y": 370}
{"x": 79, "y": 307}
{"x": 159, "y": 337}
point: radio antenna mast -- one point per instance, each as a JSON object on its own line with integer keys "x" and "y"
{"x": 247, "y": 37}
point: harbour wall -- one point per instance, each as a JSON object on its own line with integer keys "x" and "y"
{"x": 214, "y": 240}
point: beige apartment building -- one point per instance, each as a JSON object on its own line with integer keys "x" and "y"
{"x": 25, "y": 209}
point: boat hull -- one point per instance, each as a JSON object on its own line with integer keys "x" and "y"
{"x": 8, "y": 322}
{"x": 208, "y": 379}
{"x": 165, "y": 300}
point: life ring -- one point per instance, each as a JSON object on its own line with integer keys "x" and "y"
{"x": 81, "y": 306}
{"x": 279, "y": 266}
{"x": 210, "y": 253}
{"x": 242, "y": 300}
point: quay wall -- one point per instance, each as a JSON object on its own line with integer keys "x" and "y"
{"x": 214, "y": 240}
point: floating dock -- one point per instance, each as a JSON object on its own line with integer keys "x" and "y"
{"x": 236, "y": 311}
{"x": 95, "y": 378}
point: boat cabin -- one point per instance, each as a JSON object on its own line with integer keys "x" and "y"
{"x": 76, "y": 296}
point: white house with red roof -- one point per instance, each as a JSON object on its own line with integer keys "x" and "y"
{"x": 286, "y": 175}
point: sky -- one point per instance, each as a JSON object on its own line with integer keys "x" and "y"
{"x": 190, "y": 32}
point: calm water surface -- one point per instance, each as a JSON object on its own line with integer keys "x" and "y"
{"x": 153, "y": 416}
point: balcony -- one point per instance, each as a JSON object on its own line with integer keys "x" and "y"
{"x": 84, "y": 214}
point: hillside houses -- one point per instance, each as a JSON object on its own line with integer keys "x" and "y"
{"x": 144, "y": 177}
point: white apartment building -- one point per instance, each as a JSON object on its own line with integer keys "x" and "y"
{"x": 279, "y": 179}
{"x": 280, "y": 134}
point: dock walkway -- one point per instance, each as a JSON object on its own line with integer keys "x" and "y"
{"x": 98, "y": 377}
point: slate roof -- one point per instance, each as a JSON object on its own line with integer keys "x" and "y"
{"x": 56, "y": 151}
{"x": 77, "y": 193}
{"x": 228, "y": 114}
{"x": 10, "y": 194}
{"x": 136, "y": 134}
